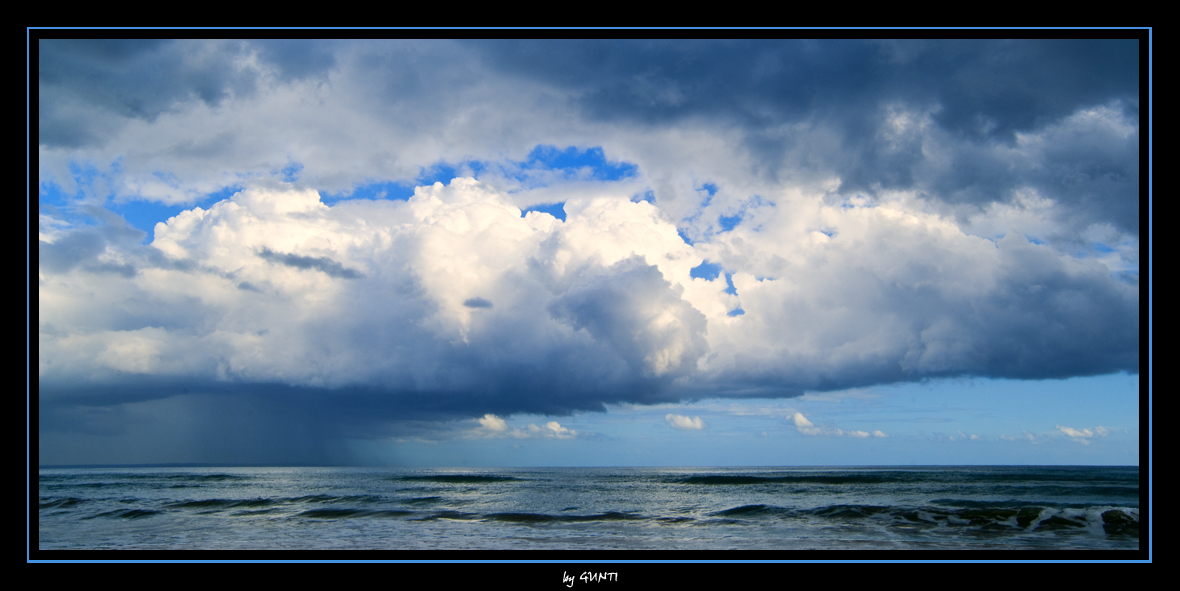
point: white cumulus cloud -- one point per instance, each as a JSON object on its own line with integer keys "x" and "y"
{"x": 1083, "y": 436}
{"x": 492, "y": 426}
{"x": 683, "y": 422}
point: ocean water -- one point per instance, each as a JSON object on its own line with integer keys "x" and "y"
{"x": 876, "y": 508}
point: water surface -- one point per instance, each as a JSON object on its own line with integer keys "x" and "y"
{"x": 590, "y": 508}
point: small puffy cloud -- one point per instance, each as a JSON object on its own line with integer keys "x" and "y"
{"x": 806, "y": 427}
{"x": 491, "y": 426}
{"x": 683, "y": 422}
{"x": 1083, "y": 436}
{"x": 1026, "y": 436}
{"x": 493, "y": 423}
{"x": 551, "y": 430}
{"x": 1075, "y": 432}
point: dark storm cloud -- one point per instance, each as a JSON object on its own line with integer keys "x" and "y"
{"x": 980, "y": 93}
{"x": 1010, "y": 85}
{"x": 297, "y": 58}
{"x": 323, "y": 264}
{"x": 139, "y": 79}
{"x": 82, "y": 82}
{"x": 278, "y": 423}
{"x": 1045, "y": 322}
{"x": 805, "y": 109}
{"x": 1040, "y": 320}
{"x": 137, "y": 420}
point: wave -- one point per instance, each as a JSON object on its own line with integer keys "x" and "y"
{"x": 454, "y": 515}
{"x": 460, "y": 479}
{"x": 223, "y": 503}
{"x": 60, "y": 503}
{"x": 1118, "y": 521}
{"x": 1098, "y": 484}
{"x": 349, "y": 513}
{"x": 753, "y": 511}
{"x": 331, "y": 499}
{"x": 742, "y": 479}
{"x": 423, "y": 500}
{"x": 126, "y": 514}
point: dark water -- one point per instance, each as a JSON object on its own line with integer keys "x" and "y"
{"x": 590, "y": 508}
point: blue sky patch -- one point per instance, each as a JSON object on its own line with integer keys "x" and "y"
{"x": 50, "y": 193}
{"x": 572, "y": 162}
{"x": 441, "y": 172}
{"x": 396, "y": 191}
{"x": 144, "y": 215}
{"x": 84, "y": 174}
{"x": 736, "y": 312}
{"x": 705, "y": 270}
{"x": 291, "y": 172}
{"x": 648, "y": 196}
{"x": 572, "y": 159}
{"x": 731, "y": 290}
{"x": 728, "y": 223}
{"x": 556, "y": 210}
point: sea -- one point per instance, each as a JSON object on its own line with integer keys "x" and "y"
{"x": 632, "y": 509}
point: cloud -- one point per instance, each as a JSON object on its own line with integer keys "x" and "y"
{"x": 1083, "y": 436}
{"x": 685, "y": 423}
{"x": 492, "y": 426}
{"x": 806, "y": 427}
{"x": 953, "y": 121}
{"x": 493, "y": 423}
{"x": 879, "y": 211}
{"x": 1026, "y": 436}
{"x": 273, "y": 286}
{"x": 855, "y": 393}
{"x": 552, "y": 429}
{"x": 322, "y": 264}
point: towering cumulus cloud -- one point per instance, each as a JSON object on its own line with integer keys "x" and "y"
{"x": 740, "y": 219}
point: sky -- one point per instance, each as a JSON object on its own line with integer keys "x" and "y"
{"x": 588, "y": 252}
